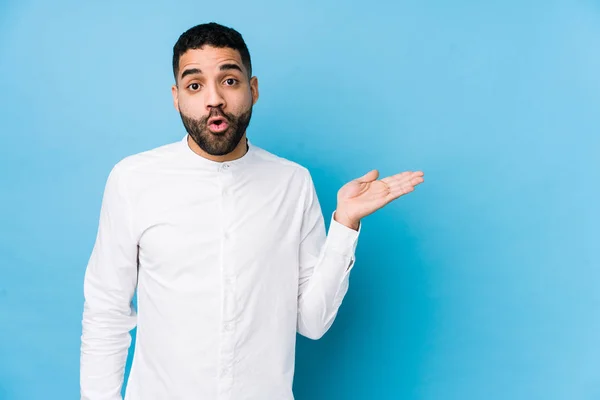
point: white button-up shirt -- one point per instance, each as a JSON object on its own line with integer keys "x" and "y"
{"x": 230, "y": 260}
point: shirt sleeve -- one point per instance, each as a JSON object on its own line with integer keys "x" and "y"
{"x": 325, "y": 264}
{"x": 109, "y": 284}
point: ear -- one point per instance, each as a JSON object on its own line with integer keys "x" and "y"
{"x": 254, "y": 89}
{"x": 174, "y": 92}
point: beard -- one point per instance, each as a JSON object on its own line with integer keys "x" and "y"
{"x": 222, "y": 143}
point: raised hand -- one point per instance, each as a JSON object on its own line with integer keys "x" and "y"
{"x": 365, "y": 195}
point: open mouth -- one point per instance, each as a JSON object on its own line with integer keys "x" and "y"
{"x": 217, "y": 124}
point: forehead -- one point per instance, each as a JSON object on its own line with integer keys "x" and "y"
{"x": 209, "y": 56}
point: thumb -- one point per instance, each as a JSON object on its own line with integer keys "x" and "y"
{"x": 369, "y": 176}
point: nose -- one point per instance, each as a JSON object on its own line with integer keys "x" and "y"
{"x": 214, "y": 97}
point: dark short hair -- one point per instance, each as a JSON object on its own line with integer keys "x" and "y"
{"x": 211, "y": 34}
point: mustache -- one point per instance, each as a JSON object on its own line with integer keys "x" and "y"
{"x": 218, "y": 112}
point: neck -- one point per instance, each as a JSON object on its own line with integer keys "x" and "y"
{"x": 239, "y": 151}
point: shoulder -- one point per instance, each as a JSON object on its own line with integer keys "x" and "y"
{"x": 143, "y": 161}
{"x": 283, "y": 166}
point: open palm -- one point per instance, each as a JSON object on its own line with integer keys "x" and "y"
{"x": 365, "y": 195}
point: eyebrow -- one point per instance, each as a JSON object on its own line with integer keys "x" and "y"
{"x": 224, "y": 67}
{"x": 190, "y": 71}
{"x": 229, "y": 66}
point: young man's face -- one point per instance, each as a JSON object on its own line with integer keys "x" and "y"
{"x": 214, "y": 97}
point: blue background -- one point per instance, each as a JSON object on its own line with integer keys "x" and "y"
{"x": 482, "y": 284}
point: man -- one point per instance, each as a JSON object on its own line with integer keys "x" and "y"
{"x": 225, "y": 243}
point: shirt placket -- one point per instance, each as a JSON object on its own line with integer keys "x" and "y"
{"x": 228, "y": 282}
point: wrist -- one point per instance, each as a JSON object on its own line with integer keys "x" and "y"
{"x": 342, "y": 218}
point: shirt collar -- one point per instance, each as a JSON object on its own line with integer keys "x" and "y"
{"x": 198, "y": 160}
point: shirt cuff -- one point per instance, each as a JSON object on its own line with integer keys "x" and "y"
{"x": 341, "y": 238}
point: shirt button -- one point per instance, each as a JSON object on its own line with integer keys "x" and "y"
{"x": 229, "y": 327}
{"x": 225, "y": 166}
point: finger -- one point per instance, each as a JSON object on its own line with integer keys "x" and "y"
{"x": 399, "y": 191}
{"x": 403, "y": 184}
{"x": 369, "y": 176}
{"x": 404, "y": 177}
{"x": 414, "y": 181}
{"x": 390, "y": 180}
{"x": 398, "y": 178}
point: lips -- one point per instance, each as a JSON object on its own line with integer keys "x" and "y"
{"x": 217, "y": 124}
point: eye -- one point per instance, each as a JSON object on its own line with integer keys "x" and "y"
{"x": 194, "y": 86}
{"x": 230, "y": 81}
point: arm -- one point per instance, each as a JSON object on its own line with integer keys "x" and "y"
{"x": 326, "y": 261}
{"x": 325, "y": 265}
{"x": 109, "y": 285}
